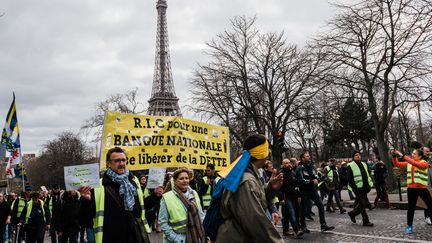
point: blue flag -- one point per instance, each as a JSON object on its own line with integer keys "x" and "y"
{"x": 10, "y": 138}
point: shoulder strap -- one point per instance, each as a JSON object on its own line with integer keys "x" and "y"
{"x": 113, "y": 195}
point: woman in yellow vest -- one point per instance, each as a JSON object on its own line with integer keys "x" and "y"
{"x": 180, "y": 213}
{"x": 417, "y": 181}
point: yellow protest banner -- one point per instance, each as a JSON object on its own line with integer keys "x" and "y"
{"x": 164, "y": 141}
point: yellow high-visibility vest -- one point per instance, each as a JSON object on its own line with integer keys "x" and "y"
{"x": 177, "y": 214}
{"x": 98, "y": 220}
{"x": 30, "y": 207}
{"x": 21, "y": 204}
{"x": 207, "y": 197}
{"x": 358, "y": 180}
{"x": 420, "y": 176}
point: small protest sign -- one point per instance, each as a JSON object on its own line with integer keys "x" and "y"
{"x": 156, "y": 177}
{"x": 81, "y": 175}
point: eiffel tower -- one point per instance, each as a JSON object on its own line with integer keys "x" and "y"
{"x": 163, "y": 101}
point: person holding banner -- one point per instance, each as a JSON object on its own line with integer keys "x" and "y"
{"x": 244, "y": 200}
{"x": 180, "y": 213}
{"x": 117, "y": 206}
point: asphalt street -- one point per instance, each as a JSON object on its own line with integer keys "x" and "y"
{"x": 389, "y": 227}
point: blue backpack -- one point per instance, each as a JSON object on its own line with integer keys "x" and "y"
{"x": 213, "y": 219}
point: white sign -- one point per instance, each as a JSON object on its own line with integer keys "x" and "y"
{"x": 81, "y": 175}
{"x": 44, "y": 189}
{"x": 156, "y": 177}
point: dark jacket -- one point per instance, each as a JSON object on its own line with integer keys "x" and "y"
{"x": 380, "y": 174}
{"x": 366, "y": 188}
{"x": 55, "y": 214}
{"x": 290, "y": 187}
{"x": 305, "y": 175}
{"x": 14, "y": 217}
{"x": 69, "y": 215}
{"x": 343, "y": 176}
{"x": 36, "y": 219}
{"x": 5, "y": 211}
{"x": 119, "y": 225}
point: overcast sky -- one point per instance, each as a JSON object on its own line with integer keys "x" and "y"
{"x": 62, "y": 57}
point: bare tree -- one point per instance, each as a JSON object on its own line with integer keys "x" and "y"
{"x": 381, "y": 48}
{"x": 127, "y": 102}
{"x": 254, "y": 82}
{"x": 65, "y": 150}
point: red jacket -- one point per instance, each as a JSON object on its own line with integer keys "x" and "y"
{"x": 421, "y": 164}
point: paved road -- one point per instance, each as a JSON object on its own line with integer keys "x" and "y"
{"x": 389, "y": 227}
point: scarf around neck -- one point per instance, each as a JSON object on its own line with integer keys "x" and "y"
{"x": 127, "y": 191}
{"x": 194, "y": 230}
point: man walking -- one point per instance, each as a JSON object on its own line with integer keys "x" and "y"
{"x": 360, "y": 182}
{"x": 331, "y": 179}
{"x": 117, "y": 206}
{"x": 243, "y": 202}
{"x": 308, "y": 181}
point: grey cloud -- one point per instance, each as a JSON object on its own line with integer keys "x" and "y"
{"x": 61, "y": 57}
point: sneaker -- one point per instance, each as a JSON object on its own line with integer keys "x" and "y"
{"x": 288, "y": 233}
{"x": 305, "y": 230}
{"x": 428, "y": 221}
{"x": 325, "y": 227}
{"x": 329, "y": 210}
{"x": 309, "y": 218}
{"x": 368, "y": 224}
{"x": 409, "y": 230}
{"x": 299, "y": 234}
{"x": 352, "y": 217}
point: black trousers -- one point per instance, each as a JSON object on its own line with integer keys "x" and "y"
{"x": 311, "y": 195}
{"x": 413, "y": 194}
{"x": 360, "y": 204}
{"x": 35, "y": 234}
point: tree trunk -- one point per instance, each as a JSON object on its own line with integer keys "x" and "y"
{"x": 385, "y": 157}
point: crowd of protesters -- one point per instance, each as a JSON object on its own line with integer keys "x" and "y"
{"x": 124, "y": 209}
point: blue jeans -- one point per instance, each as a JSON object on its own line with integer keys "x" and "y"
{"x": 292, "y": 210}
{"x": 90, "y": 235}
{"x": 311, "y": 195}
{"x": 6, "y": 233}
{"x": 330, "y": 199}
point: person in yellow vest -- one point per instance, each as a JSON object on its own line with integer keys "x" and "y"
{"x": 36, "y": 219}
{"x": 53, "y": 202}
{"x": 360, "y": 182}
{"x": 117, "y": 206}
{"x": 207, "y": 184}
{"x": 143, "y": 182}
{"x": 180, "y": 213}
{"x": 17, "y": 208}
{"x": 331, "y": 178}
{"x": 417, "y": 181}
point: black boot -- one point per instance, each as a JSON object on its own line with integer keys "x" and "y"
{"x": 325, "y": 227}
{"x": 352, "y": 217}
{"x": 368, "y": 224}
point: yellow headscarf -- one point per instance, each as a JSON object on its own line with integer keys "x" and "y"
{"x": 258, "y": 152}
